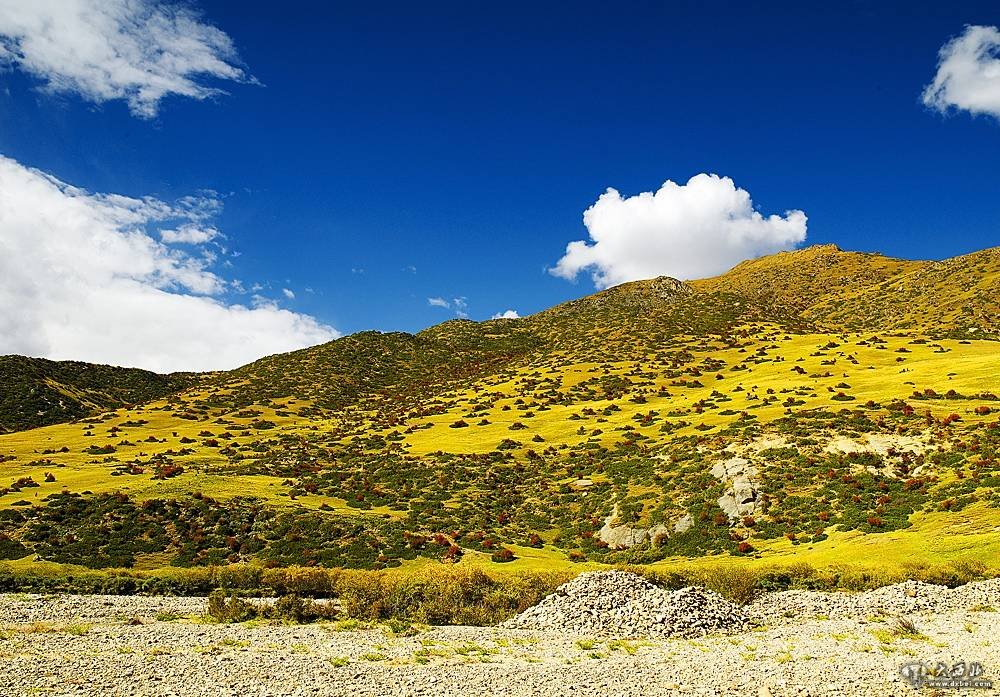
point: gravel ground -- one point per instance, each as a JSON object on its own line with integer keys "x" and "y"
{"x": 800, "y": 644}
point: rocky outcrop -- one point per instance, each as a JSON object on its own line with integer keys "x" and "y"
{"x": 684, "y": 523}
{"x": 621, "y": 536}
{"x": 741, "y": 497}
{"x": 624, "y": 536}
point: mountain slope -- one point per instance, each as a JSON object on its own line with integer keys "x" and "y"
{"x": 38, "y": 392}
{"x": 800, "y": 279}
{"x": 857, "y": 291}
{"x": 801, "y": 404}
{"x": 957, "y": 297}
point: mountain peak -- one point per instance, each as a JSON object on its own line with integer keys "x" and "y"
{"x": 815, "y": 248}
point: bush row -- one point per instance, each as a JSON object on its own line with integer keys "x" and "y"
{"x": 461, "y": 595}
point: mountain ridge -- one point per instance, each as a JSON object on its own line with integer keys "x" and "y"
{"x": 831, "y": 288}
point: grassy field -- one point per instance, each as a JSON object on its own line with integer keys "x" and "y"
{"x": 966, "y": 367}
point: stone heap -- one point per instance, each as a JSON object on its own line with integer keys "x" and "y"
{"x": 621, "y": 604}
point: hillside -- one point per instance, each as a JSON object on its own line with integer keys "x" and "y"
{"x": 802, "y": 406}
{"x": 861, "y": 291}
{"x": 38, "y": 392}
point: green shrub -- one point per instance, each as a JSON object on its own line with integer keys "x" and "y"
{"x": 293, "y": 608}
{"x": 229, "y": 609}
{"x": 446, "y": 595}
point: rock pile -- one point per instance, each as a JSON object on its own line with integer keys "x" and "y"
{"x": 904, "y": 598}
{"x": 621, "y": 604}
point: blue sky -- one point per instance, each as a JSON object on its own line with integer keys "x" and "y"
{"x": 396, "y": 153}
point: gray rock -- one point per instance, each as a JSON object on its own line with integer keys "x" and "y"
{"x": 685, "y": 523}
{"x": 621, "y": 536}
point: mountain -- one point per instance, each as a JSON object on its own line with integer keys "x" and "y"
{"x": 804, "y": 405}
{"x": 38, "y": 392}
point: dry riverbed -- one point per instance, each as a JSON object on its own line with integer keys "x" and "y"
{"x": 796, "y": 644}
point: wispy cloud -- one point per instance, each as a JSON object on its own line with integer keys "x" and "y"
{"x": 137, "y": 50}
{"x": 458, "y": 305}
{"x": 189, "y": 233}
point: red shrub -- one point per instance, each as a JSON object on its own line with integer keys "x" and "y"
{"x": 502, "y": 555}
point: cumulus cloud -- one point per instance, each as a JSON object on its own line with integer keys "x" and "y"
{"x": 137, "y": 50}
{"x": 506, "y": 314}
{"x": 691, "y": 230}
{"x": 968, "y": 74}
{"x": 83, "y": 276}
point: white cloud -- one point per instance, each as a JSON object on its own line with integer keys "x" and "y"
{"x": 438, "y": 302}
{"x": 687, "y": 231}
{"x": 288, "y": 294}
{"x": 968, "y": 75}
{"x": 82, "y": 276}
{"x": 189, "y": 233}
{"x": 137, "y": 50}
{"x": 506, "y": 314}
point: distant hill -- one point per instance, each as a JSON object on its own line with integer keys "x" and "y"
{"x": 798, "y": 406}
{"x": 38, "y": 392}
